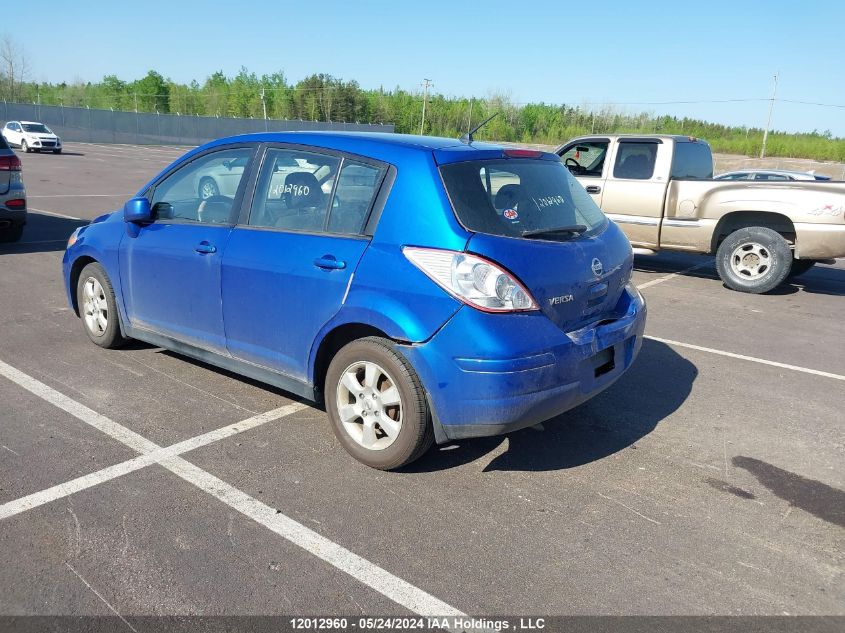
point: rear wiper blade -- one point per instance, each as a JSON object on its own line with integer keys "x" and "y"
{"x": 574, "y": 229}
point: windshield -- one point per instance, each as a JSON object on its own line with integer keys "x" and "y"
{"x": 521, "y": 198}
{"x": 38, "y": 128}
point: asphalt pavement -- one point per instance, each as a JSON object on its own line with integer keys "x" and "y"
{"x": 707, "y": 481}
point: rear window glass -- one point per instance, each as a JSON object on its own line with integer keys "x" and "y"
{"x": 511, "y": 197}
{"x": 692, "y": 161}
{"x": 3, "y": 144}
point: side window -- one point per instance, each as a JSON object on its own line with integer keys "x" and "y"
{"x": 294, "y": 190}
{"x": 356, "y": 188}
{"x": 203, "y": 190}
{"x": 586, "y": 158}
{"x": 771, "y": 177}
{"x": 503, "y": 188}
{"x": 635, "y": 160}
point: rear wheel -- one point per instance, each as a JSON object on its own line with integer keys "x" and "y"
{"x": 12, "y": 234}
{"x": 753, "y": 259}
{"x": 801, "y": 266}
{"x": 377, "y": 405}
{"x": 98, "y": 308}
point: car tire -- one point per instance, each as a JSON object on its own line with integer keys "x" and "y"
{"x": 388, "y": 390}
{"x": 754, "y": 259}
{"x": 24, "y": 147}
{"x": 207, "y": 188}
{"x": 801, "y": 266}
{"x": 13, "y": 234}
{"x": 98, "y": 307}
{"x": 57, "y": 151}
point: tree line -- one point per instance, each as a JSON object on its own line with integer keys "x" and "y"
{"x": 322, "y": 97}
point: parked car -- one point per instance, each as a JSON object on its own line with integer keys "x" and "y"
{"x": 770, "y": 175}
{"x": 12, "y": 195}
{"x": 32, "y": 136}
{"x": 441, "y": 305}
{"x": 660, "y": 190}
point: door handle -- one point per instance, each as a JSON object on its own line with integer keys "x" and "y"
{"x": 204, "y": 247}
{"x": 329, "y": 262}
{"x": 593, "y": 189}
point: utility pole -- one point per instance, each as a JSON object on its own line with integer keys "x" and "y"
{"x": 425, "y": 98}
{"x": 264, "y": 108}
{"x": 769, "y": 121}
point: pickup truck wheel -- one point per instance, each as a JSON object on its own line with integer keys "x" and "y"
{"x": 377, "y": 405}
{"x": 753, "y": 259}
{"x": 801, "y": 266}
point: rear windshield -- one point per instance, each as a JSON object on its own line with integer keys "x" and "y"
{"x": 512, "y": 197}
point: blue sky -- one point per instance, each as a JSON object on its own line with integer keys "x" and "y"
{"x": 534, "y": 50}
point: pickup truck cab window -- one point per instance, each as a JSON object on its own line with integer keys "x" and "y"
{"x": 635, "y": 160}
{"x": 586, "y": 158}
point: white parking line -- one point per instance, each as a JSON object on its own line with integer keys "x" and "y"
{"x": 660, "y": 280}
{"x": 55, "y": 215}
{"x": 382, "y": 581}
{"x": 73, "y": 486}
{"x": 763, "y": 361}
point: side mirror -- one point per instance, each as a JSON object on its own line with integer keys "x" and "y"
{"x": 137, "y": 210}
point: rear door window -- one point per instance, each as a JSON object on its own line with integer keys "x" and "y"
{"x": 692, "y": 161}
{"x": 512, "y": 197}
{"x": 635, "y": 160}
{"x": 357, "y": 186}
{"x": 294, "y": 190}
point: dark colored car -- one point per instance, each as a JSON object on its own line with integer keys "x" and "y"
{"x": 427, "y": 289}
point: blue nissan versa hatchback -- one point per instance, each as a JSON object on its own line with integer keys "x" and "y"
{"x": 426, "y": 289}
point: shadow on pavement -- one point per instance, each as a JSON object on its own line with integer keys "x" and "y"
{"x": 610, "y": 422}
{"x": 43, "y": 233}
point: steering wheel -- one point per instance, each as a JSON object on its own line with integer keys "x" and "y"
{"x": 216, "y": 207}
{"x": 574, "y": 166}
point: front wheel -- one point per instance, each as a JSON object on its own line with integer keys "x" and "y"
{"x": 98, "y": 307}
{"x": 57, "y": 151}
{"x": 753, "y": 259}
{"x": 24, "y": 147}
{"x": 377, "y": 405}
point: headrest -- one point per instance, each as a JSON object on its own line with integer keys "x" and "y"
{"x": 302, "y": 190}
{"x": 507, "y": 196}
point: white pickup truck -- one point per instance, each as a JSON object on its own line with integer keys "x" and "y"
{"x": 661, "y": 192}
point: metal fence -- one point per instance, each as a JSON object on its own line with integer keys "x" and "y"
{"x": 143, "y": 128}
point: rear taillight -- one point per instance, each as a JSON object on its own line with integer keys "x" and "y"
{"x": 10, "y": 163}
{"x": 16, "y": 203}
{"x": 476, "y": 281}
{"x": 523, "y": 153}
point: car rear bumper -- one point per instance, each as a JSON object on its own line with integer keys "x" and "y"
{"x": 10, "y": 218}
{"x": 819, "y": 241}
{"x": 487, "y": 374}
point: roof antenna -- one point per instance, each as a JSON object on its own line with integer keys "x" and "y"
{"x": 467, "y": 138}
